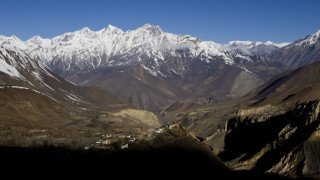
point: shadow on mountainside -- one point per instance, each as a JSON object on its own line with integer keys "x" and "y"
{"x": 165, "y": 162}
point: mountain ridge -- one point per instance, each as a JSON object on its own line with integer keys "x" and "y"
{"x": 180, "y": 60}
{"x": 89, "y": 57}
{"x": 147, "y": 40}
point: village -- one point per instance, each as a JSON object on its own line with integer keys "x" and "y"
{"x": 153, "y": 132}
{"x": 121, "y": 141}
{"x": 83, "y": 139}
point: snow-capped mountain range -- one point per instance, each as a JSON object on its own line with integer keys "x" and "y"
{"x": 152, "y": 69}
{"x": 85, "y": 50}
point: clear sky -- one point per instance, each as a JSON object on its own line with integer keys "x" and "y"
{"x": 211, "y": 20}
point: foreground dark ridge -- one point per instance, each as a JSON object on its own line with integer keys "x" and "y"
{"x": 184, "y": 158}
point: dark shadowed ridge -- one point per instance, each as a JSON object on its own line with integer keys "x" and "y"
{"x": 172, "y": 161}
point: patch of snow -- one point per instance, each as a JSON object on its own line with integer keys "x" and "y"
{"x": 47, "y": 73}
{"x": 37, "y": 76}
{"x": 48, "y": 86}
{"x": 174, "y": 71}
{"x": 244, "y": 57}
{"x": 153, "y": 73}
{"x": 24, "y": 88}
{"x": 70, "y": 82}
{"x": 45, "y": 95}
{"x": 73, "y": 97}
{"x": 8, "y": 69}
{"x": 137, "y": 78}
{"x": 19, "y": 87}
{"x": 245, "y": 69}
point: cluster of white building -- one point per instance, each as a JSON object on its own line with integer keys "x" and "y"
{"x": 152, "y": 132}
{"x": 103, "y": 141}
{"x": 38, "y": 130}
{"x": 109, "y": 138}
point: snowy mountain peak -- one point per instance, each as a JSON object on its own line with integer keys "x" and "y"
{"x": 314, "y": 38}
{"x": 317, "y": 33}
{"x": 10, "y": 39}
{"x": 111, "y": 27}
{"x": 84, "y": 31}
{"x": 14, "y": 37}
{"x": 309, "y": 40}
{"x": 35, "y": 39}
{"x": 155, "y": 30}
{"x": 149, "y": 26}
{"x": 111, "y": 30}
{"x": 269, "y": 43}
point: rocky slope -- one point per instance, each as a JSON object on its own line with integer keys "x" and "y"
{"x": 146, "y": 91}
{"x": 31, "y": 96}
{"x": 288, "y": 88}
{"x": 285, "y": 143}
{"x": 274, "y": 128}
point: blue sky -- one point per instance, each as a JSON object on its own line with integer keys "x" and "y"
{"x": 219, "y": 21}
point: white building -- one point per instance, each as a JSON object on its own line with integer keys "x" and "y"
{"x": 124, "y": 146}
{"x": 105, "y": 142}
{"x": 172, "y": 126}
{"x": 159, "y": 130}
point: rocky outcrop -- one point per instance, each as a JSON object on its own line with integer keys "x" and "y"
{"x": 283, "y": 142}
